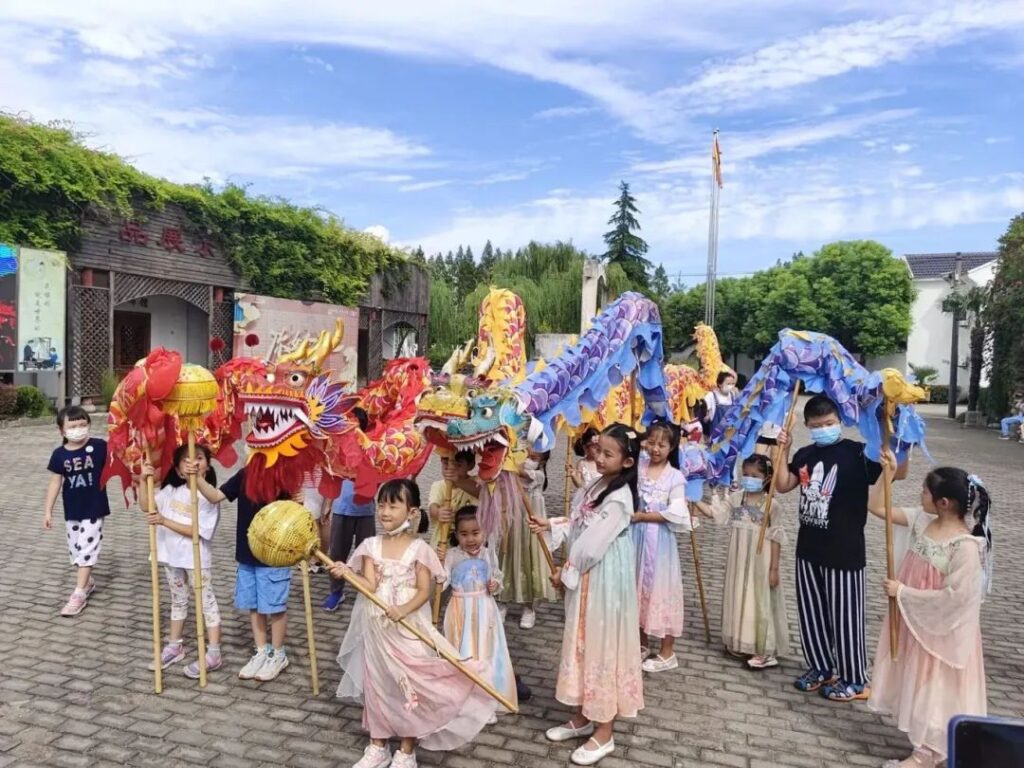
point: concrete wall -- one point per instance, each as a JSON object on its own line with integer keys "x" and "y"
{"x": 546, "y": 345}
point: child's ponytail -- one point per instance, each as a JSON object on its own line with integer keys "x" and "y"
{"x": 629, "y": 443}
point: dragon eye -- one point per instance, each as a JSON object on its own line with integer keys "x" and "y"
{"x": 487, "y": 413}
{"x": 296, "y": 379}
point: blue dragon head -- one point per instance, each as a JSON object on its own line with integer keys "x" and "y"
{"x": 495, "y": 430}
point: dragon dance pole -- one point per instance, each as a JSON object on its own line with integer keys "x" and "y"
{"x": 540, "y": 539}
{"x": 154, "y": 578}
{"x": 314, "y": 673}
{"x": 890, "y": 562}
{"x": 700, "y": 584}
{"x": 568, "y": 474}
{"x": 443, "y": 531}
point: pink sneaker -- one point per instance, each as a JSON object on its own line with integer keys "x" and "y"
{"x": 171, "y": 654}
{"x": 75, "y": 604}
{"x": 213, "y": 663}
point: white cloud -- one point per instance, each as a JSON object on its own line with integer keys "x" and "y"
{"x": 562, "y": 112}
{"x": 422, "y": 186}
{"x": 836, "y": 50}
{"x": 902, "y": 148}
{"x": 741, "y": 147}
{"x": 380, "y": 232}
{"x": 317, "y": 62}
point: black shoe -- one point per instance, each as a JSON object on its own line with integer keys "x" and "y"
{"x": 523, "y": 690}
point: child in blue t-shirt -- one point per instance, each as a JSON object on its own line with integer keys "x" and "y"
{"x": 77, "y": 466}
{"x": 352, "y": 521}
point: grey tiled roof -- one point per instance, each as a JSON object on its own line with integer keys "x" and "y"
{"x": 932, "y": 265}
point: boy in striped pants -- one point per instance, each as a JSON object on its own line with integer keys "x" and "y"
{"x": 834, "y": 477}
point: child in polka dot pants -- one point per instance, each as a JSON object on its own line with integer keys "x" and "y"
{"x": 76, "y": 467}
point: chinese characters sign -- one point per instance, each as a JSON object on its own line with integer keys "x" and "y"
{"x": 170, "y": 239}
{"x": 41, "y": 309}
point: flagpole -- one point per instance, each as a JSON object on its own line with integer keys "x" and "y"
{"x": 712, "y": 272}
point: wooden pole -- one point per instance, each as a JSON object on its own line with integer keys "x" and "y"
{"x": 314, "y": 674}
{"x": 154, "y": 578}
{"x": 700, "y": 584}
{"x": 443, "y": 531}
{"x": 197, "y": 565}
{"x": 420, "y": 634}
{"x": 766, "y": 519}
{"x": 890, "y": 561}
{"x": 568, "y": 475}
{"x": 540, "y": 539}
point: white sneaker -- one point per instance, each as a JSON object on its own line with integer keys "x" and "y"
{"x": 404, "y": 760}
{"x": 493, "y": 718}
{"x": 248, "y": 672}
{"x": 658, "y": 664}
{"x": 502, "y": 611}
{"x": 584, "y": 756}
{"x": 374, "y": 757}
{"x": 529, "y": 619}
{"x": 762, "y": 662}
{"x": 276, "y": 663}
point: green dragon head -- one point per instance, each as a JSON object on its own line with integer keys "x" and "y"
{"x": 494, "y": 429}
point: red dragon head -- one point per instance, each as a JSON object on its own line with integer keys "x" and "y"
{"x": 295, "y": 410}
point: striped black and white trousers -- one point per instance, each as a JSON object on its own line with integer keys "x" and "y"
{"x": 831, "y": 606}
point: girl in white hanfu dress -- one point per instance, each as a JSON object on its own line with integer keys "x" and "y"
{"x": 663, "y": 513}
{"x": 599, "y": 670}
{"x": 755, "y": 622}
{"x": 407, "y": 690}
{"x": 939, "y": 671}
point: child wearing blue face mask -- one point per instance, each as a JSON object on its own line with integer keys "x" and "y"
{"x": 755, "y": 622}
{"x": 834, "y": 476}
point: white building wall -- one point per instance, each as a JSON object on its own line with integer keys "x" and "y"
{"x": 931, "y": 331}
{"x": 175, "y": 324}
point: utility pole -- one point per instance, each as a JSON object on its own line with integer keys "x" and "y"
{"x": 954, "y": 347}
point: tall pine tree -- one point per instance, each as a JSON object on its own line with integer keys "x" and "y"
{"x": 625, "y": 247}
{"x": 488, "y": 258}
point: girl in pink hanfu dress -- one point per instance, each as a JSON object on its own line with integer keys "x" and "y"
{"x": 406, "y": 689}
{"x": 659, "y": 579}
{"x": 939, "y": 671}
{"x": 600, "y": 664}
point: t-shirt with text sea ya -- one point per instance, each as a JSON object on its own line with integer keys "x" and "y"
{"x": 81, "y": 469}
{"x": 834, "y": 483}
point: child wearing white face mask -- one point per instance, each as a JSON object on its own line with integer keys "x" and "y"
{"x": 76, "y": 467}
{"x": 755, "y": 622}
{"x": 834, "y": 476}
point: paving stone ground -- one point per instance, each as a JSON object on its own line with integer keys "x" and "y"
{"x": 76, "y": 692}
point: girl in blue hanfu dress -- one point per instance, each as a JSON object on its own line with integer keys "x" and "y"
{"x": 472, "y": 622}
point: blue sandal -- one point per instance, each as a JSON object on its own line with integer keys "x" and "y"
{"x": 812, "y": 680}
{"x": 840, "y": 690}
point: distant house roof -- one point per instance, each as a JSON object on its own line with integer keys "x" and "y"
{"x": 929, "y": 266}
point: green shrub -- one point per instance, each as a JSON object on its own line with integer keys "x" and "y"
{"x": 8, "y": 400}
{"x": 940, "y": 394}
{"x": 31, "y": 402}
{"x": 108, "y": 385}
{"x": 925, "y": 374}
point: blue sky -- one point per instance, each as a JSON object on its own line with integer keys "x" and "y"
{"x": 453, "y": 121}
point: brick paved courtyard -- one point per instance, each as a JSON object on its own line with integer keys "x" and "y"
{"x": 77, "y": 693}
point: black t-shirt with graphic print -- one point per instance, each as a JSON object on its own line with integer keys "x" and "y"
{"x": 834, "y": 483}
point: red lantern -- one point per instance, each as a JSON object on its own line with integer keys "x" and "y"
{"x": 252, "y": 340}
{"x": 216, "y": 344}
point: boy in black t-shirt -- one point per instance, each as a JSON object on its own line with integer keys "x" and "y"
{"x": 260, "y": 589}
{"x": 834, "y": 476}
{"x": 76, "y": 467}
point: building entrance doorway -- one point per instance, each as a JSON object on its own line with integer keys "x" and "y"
{"x": 131, "y": 340}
